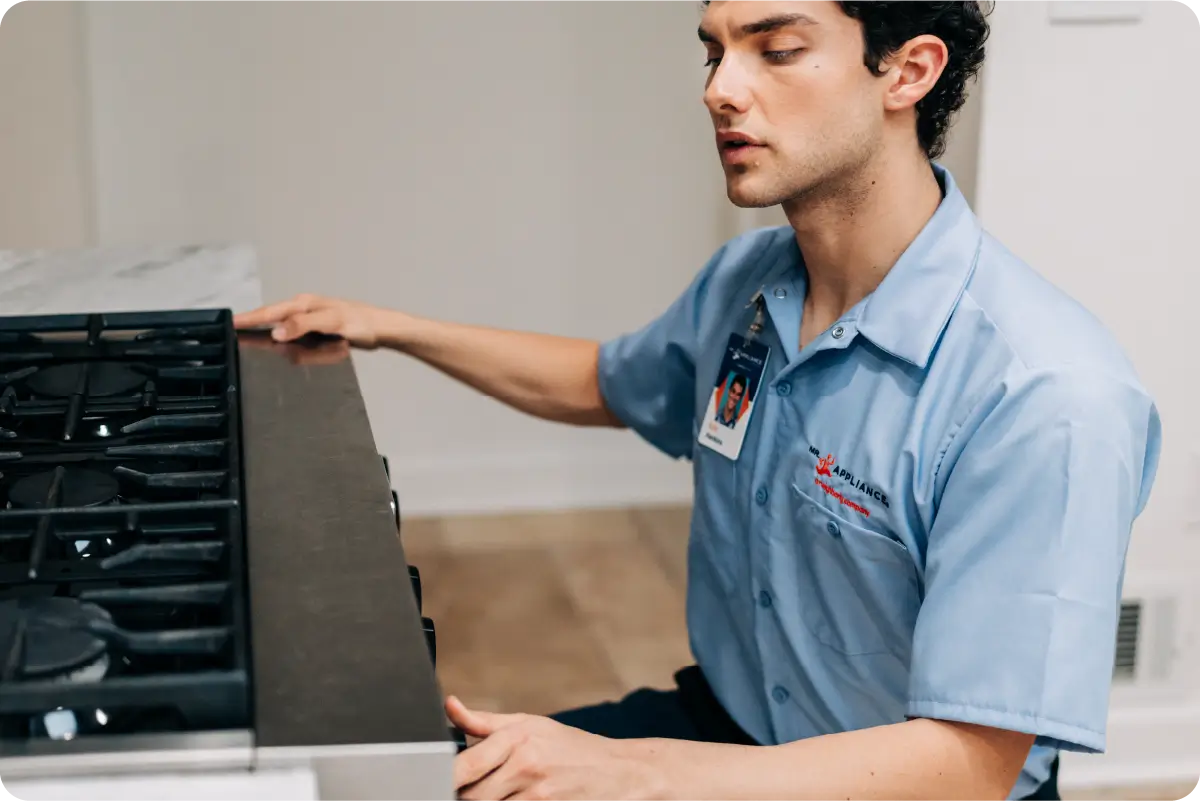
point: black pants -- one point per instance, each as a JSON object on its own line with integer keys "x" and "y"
{"x": 691, "y": 712}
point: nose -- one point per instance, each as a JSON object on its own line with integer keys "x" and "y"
{"x": 727, "y": 92}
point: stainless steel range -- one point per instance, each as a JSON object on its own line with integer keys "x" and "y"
{"x": 200, "y": 569}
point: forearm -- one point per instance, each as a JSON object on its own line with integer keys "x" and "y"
{"x": 546, "y": 376}
{"x": 919, "y": 759}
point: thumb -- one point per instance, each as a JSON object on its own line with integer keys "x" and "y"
{"x": 475, "y": 723}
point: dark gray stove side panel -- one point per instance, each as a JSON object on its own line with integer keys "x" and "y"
{"x": 337, "y": 647}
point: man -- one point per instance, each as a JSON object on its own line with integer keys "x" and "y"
{"x": 728, "y": 416}
{"x": 904, "y": 581}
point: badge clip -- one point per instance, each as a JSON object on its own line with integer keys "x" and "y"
{"x": 760, "y": 313}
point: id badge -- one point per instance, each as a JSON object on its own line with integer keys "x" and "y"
{"x": 732, "y": 401}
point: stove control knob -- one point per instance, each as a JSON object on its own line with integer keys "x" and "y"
{"x": 430, "y": 638}
{"x": 395, "y": 502}
{"x": 414, "y": 576}
{"x": 386, "y": 469}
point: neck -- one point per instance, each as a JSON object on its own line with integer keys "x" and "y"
{"x": 852, "y": 233}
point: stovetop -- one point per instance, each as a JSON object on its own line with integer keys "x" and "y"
{"x": 200, "y": 568}
{"x": 123, "y": 589}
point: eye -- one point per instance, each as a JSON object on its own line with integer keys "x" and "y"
{"x": 780, "y": 56}
{"x": 712, "y": 62}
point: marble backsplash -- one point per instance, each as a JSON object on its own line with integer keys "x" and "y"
{"x": 113, "y": 279}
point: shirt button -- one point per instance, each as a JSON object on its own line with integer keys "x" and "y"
{"x": 838, "y": 332}
{"x": 760, "y": 496}
{"x": 832, "y": 528}
{"x": 784, "y": 389}
{"x": 764, "y": 599}
{"x": 779, "y": 694}
{"x": 780, "y": 292}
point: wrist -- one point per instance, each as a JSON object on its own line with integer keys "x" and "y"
{"x": 654, "y": 757}
{"x": 393, "y": 329}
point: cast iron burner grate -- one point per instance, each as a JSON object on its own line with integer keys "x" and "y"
{"x": 122, "y": 559}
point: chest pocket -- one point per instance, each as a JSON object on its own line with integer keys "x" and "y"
{"x": 858, "y": 589}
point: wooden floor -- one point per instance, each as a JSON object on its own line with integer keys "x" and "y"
{"x": 542, "y": 612}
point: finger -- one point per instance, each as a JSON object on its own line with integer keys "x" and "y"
{"x": 274, "y": 313}
{"x": 475, "y": 722}
{"x": 482, "y": 759}
{"x": 501, "y": 784}
{"x": 266, "y": 315}
{"x": 322, "y": 321}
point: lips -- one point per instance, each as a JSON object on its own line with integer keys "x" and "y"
{"x": 736, "y": 146}
{"x": 734, "y": 140}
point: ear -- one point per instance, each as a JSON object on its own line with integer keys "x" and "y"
{"x": 913, "y": 71}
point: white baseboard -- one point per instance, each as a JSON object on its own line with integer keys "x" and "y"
{"x": 1146, "y": 745}
{"x": 581, "y": 479}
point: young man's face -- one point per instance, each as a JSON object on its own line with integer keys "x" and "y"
{"x": 734, "y": 398}
{"x": 789, "y": 75}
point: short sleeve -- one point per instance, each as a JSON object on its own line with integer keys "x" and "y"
{"x": 648, "y": 377}
{"x": 1026, "y": 558}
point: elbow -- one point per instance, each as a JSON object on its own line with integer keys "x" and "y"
{"x": 990, "y": 759}
{"x": 998, "y": 765}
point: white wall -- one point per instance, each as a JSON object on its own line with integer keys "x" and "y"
{"x": 503, "y": 164}
{"x": 1088, "y": 169}
{"x": 44, "y": 138}
{"x": 172, "y": 89}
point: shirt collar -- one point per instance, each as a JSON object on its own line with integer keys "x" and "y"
{"x": 907, "y": 312}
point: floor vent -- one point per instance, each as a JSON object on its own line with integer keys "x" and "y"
{"x": 1128, "y": 626}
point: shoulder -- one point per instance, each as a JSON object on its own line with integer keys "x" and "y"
{"x": 1015, "y": 333}
{"x": 1041, "y": 327}
{"x": 1039, "y": 371}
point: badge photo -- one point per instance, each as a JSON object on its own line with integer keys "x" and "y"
{"x": 723, "y": 428}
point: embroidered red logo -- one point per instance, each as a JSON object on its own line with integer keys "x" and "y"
{"x": 823, "y": 466}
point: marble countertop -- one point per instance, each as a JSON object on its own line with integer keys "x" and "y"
{"x": 109, "y": 279}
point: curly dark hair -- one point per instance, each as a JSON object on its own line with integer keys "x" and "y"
{"x": 888, "y": 24}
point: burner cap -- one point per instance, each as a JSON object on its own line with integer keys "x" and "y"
{"x": 104, "y": 379}
{"x": 57, "y": 640}
{"x": 80, "y": 487}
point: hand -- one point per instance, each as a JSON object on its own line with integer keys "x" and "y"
{"x": 527, "y": 756}
{"x": 329, "y": 351}
{"x": 309, "y": 314}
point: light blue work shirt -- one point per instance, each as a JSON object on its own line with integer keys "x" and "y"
{"x": 930, "y": 512}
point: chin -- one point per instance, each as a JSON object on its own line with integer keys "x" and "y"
{"x": 746, "y": 194}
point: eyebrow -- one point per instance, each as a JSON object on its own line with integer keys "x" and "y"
{"x": 765, "y": 25}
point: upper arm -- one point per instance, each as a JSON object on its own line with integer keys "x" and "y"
{"x": 646, "y": 377}
{"x": 1026, "y": 558}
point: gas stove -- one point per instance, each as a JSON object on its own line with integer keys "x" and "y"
{"x": 154, "y": 614}
{"x": 122, "y": 562}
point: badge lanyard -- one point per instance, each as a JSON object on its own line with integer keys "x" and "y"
{"x": 760, "y": 313}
